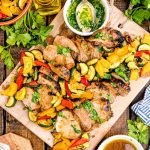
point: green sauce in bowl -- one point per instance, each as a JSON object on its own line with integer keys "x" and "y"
{"x": 84, "y": 17}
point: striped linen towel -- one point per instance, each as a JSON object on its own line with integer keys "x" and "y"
{"x": 142, "y": 108}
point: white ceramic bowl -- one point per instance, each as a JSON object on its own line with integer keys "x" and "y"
{"x": 66, "y": 7}
{"x": 124, "y": 137}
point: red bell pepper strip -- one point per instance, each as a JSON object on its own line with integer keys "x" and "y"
{"x": 33, "y": 83}
{"x": 44, "y": 117}
{"x": 79, "y": 142}
{"x": 20, "y": 79}
{"x": 39, "y": 63}
{"x": 67, "y": 103}
{"x": 84, "y": 81}
{"x": 139, "y": 54}
{"x": 67, "y": 89}
{"x": 3, "y": 16}
{"x": 21, "y": 57}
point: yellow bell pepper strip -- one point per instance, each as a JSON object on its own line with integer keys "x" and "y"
{"x": 145, "y": 70}
{"x": 60, "y": 107}
{"x": 47, "y": 112}
{"x": 28, "y": 64}
{"x": 134, "y": 74}
{"x": 11, "y": 90}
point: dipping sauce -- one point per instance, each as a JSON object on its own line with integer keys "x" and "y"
{"x": 100, "y": 15}
{"x": 120, "y": 144}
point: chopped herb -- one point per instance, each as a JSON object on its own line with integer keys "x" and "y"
{"x": 35, "y": 97}
{"x": 87, "y": 105}
{"x": 78, "y": 106}
{"x": 47, "y": 77}
{"x": 138, "y": 130}
{"x": 39, "y": 87}
{"x": 100, "y": 94}
{"x": 52, "y": 62}
{"x": 108, "y": 97}
{"x": 113, "y": 84}
{"x": 75, "y": 129}
{"x": 100, "y": 49}
{"x": 63, "y": 50}
{"x": 60, "y": 114}
{"x": 107, "y": 76}
{"x": 99, "y": 35}
{"x": 50, "y": 87}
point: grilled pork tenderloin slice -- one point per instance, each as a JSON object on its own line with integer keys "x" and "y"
{"x": 107, "y": 37}
{"x": 101, "y": 91}
{"x": 45, "y": 97}
{"x": 84, "y": 118}
{"x": 52, "y": 84}
{"x": 102, "y": 108}
{"x": 64, "y": 41}
{"x": 49, "y": 73}
{"x": 61, "y": 71}
{"x": 122, "y": 88}
{"x": 27, "y": 101}
{"x": 68, "y": 125}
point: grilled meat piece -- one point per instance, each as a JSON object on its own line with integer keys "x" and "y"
{"x": 102, "y": 108}
{"x": 86, "y": 50}
{"x": 45, "y": 97}
{"x": 84, "y": 118}
{"x": 38, "y": 47}
{"x": 49, "y": 73}
{"x": 121, "y": 87}
{"x": 64, "y": 41}
{"x": 50, "y": 54}
{"x": 66, "y": 125}
{"x": 107, "y": 37}
{"x": 102, "y": 91}
{"x": 61, "y": 71}
{"x": 52, "y": 84}
{"x": 27, "y": 101}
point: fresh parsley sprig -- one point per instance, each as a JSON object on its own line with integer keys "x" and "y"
{"x": 28, "y": 31}
{"x": 138, "y": 130}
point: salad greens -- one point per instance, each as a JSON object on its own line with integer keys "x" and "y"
{"x": 28, "y": 31}
{"x": 139, "y": 11}
{"x": 138, "y": 130}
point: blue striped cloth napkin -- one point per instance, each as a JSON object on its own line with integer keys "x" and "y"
{"x": 142, "y": 108}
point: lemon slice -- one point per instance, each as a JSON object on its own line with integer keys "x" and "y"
{"x": 22, "y": 3}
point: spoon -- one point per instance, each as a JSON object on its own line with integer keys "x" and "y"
{"x": 79, "y": 8}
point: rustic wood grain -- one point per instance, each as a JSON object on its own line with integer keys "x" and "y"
{"x": 14, "y": 126}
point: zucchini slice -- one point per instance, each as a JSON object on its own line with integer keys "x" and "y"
{"x": 11, "y": 102}
{"x": 76, "y": 75}
{"x": 62, "y": 86}
{"x": 44, "y": 123}
{"x": 38, "y": 55}
{"x": 32, "y": 116}
{"x": 35, "y": 75}
{"x": 91, "y": 73}
{"x": 92, "y": 62}
{"x": 20, "y": 95}
{"x": 84, "y": 68}
{"x": 29, "y": 54}
{"x": 144, "y": 47}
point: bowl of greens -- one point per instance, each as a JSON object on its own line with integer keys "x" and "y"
{"x": 101, "y": 17}
{"x": 12, "y": 11}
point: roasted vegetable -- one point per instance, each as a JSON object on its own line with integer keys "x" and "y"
{"x": 28, "y": 64}
{"x": 11, "y": 102}
{"x": 32, "y": 116}
{"x": 145, "y": 70}
{"x": 10, "y": 90}
{"x": 134, "y": 74}
{"x": 20, "y": 95}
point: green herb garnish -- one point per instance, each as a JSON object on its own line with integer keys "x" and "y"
{"x": 113, "y": 84}
{"x": 35, "y": 97}
{"x": 100, "y": 49}
{"x": 108, "y": 97}
{"x": 63, "y": 50}
{"x": 60, "y": 114}
{"x": 75, "y": 129}
{"x": 107, "y": 76}
{"x": 138, "y": 130}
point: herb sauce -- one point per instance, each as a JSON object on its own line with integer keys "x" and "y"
{"x": 100, "y": 15}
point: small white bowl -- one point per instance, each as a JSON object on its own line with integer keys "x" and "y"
{"x": 122, "y": 137}
{"x": 65, "y": 11}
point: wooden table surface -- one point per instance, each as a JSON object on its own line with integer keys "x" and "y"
{"x": 10, "y": 124}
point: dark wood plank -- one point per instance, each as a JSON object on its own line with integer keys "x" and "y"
{"x": 2, "y": 74}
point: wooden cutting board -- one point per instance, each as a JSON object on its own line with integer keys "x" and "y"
{"x": 16, "y": 142}
{"x": 118, "y": 107}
